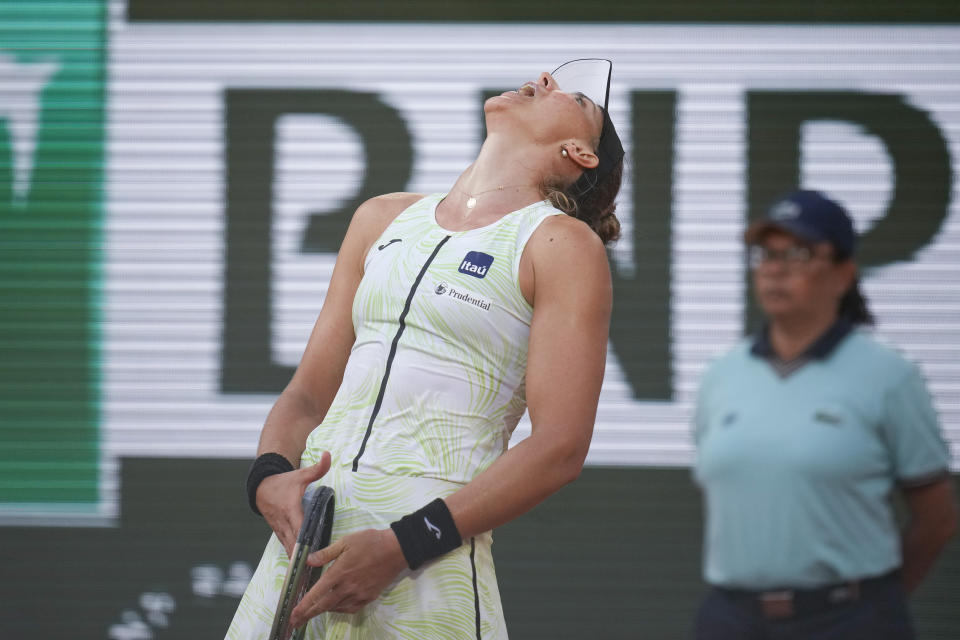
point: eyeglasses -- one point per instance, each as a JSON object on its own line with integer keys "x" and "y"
{"x": 797, "y": 257}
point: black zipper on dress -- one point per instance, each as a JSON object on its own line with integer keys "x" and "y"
{"x": 476, "y": 592}
{"x": 393, "y": 350}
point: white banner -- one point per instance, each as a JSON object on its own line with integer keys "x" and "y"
{"x": 166, "y": 194}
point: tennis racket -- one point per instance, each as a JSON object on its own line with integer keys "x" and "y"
{"x": 314, "y": 535}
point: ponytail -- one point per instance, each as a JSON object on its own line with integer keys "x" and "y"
{"x": 596, "y": 207}
{"x": 853, "y": 306}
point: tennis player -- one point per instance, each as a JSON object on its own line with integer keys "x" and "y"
{"x": 447, "y": 316}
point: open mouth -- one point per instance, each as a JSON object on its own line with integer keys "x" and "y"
{"x": 527, "y": 90}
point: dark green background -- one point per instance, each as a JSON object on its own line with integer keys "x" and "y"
{"x": 614, "y": 555}
{"x": 708, "y": 11}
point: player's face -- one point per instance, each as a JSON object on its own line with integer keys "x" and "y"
{"x": 543, "y": 111}
{"x": 793, "y": 280}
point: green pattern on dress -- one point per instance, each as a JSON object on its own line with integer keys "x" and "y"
{"x": 453, "y": 397}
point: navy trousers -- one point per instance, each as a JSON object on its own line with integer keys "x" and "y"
{"x": 879, "y": 615}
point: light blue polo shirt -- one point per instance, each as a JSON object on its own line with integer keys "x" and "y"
{"x": 797, "y": 467}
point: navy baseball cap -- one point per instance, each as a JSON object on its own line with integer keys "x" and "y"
{"x": 811, "y": 217}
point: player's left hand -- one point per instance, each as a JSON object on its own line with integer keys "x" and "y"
{"x": 366, "y": 562}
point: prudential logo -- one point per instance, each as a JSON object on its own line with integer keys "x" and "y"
{"x": 469, "y": 297}
{"x": 476, "y": 264}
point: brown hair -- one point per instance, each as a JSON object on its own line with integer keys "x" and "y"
{"x": 596, "y": 207}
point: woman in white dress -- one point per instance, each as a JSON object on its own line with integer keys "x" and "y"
{"x": 447, "y": 316}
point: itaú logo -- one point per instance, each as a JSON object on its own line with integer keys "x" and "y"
{"x": 476, "y": 264}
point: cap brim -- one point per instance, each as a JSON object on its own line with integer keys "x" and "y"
{"x": 756, "y": 231}
{"x": 589, "y": 76}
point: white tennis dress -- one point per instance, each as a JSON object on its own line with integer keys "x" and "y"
{"x": 432, "y": 391}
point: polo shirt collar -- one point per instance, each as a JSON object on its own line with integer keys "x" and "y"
{"x": 820, "y": 349}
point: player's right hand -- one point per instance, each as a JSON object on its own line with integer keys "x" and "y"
{"x": 279, "y": 498}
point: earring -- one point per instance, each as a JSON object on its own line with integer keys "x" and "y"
{"x": 563, "y": 152}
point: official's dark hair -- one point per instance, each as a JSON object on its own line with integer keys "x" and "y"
{"x": 596, "y": 207}
{"x": 853, "y": 304}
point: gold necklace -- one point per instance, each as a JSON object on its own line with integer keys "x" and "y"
{"x": 472, "y": 198}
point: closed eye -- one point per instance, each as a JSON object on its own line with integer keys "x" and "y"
{"x": 582, "y": 100}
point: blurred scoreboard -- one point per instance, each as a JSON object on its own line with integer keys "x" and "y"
{"x": 237, "y": 153}
{"x": 176, "y": 178}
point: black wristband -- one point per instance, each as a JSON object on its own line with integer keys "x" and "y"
{"x": 427, "y": 533}
{"x": 264, "y": 466}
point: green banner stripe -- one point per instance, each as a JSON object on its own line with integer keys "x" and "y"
{"x": 51, "y": 220}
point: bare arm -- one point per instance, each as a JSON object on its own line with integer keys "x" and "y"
{"x": 306, "y": 399}
{"x": 933, "y": 521}
{"x": 567, "y": 351}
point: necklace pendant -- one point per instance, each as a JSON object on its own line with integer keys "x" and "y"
{"x": 471, "y": 202}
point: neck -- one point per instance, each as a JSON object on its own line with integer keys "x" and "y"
{"x": 791, "y": 336}
{"x": 500, "y": 163}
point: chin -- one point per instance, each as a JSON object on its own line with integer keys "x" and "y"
{"x": 496, "y": 103}
{"x": 776, "y": 308}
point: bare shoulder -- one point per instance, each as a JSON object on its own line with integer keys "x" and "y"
{"x": 399, "y": 201}
{"x": 561, "y": 254}
{"x": 566, "y": 239}
{"x": 373, "y": 216}
{"x": 384, "y": 208}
